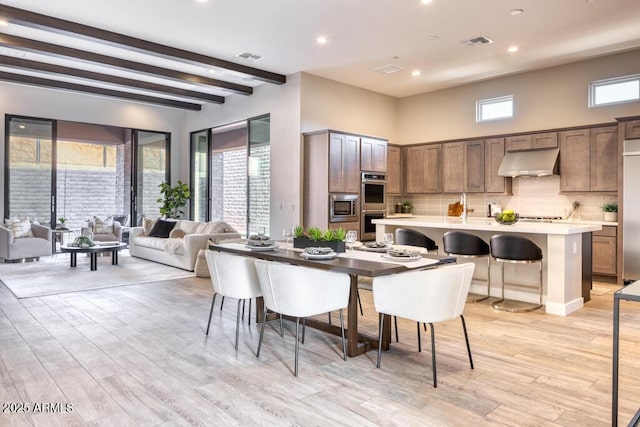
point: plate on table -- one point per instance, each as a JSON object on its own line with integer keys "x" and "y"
{"x": 318, "y": 253}
{"x": 404, "y": 258}
{"x": 266, "y": 248}
{"x": 373, "y": 247}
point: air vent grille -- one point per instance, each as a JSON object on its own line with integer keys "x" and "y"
{"x": 249, "y": 56}
{"x": 389, "y": 69}
{"x": 477, "y": 41}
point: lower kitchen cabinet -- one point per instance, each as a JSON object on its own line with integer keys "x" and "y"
{"x": 605, "y": 251}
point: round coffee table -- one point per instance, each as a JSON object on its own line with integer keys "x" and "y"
{"x": 93, "y": 252}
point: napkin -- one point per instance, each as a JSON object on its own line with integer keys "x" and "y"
{"x": 318, "y": 251}
{"x": 403, "y": 253}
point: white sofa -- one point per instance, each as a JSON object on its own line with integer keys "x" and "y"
{"x": 180, "y": 252}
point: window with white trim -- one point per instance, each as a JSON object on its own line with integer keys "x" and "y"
{"x": 617, "y": 90}
{"x": 494, "y": 108}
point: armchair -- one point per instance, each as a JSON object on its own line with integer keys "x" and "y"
{"x": 116, "y": 235}
{"x": 32, "y": 248}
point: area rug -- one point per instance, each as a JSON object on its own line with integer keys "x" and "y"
{"x": 52, "y": 275}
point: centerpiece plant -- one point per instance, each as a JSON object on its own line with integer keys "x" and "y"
{"x": 314, "y": 236}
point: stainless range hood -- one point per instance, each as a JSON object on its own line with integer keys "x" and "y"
{"x": 538, "y": 162}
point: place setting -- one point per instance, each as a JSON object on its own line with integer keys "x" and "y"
{"x": 260, "y": 242}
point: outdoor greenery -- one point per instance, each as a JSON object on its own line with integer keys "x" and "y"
{"x": 174, "y": 199}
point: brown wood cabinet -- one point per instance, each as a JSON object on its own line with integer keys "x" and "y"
{"x": 394, "y": 170}
{"x": 423, "y": 172}
{"x": 373, "y": 155}
{"x": 533, "y": 140}
{"x": 463, "y": 167}
{"x": 605, "y": 251}
{"x": 344, "y": 163}
{"x": 493, "y": 155}
{"x": 589, "y": 159}
{"x": 632, "y": 129}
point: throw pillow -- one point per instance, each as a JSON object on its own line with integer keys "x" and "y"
{"x": 147, "y": 225}
{"x": 122, "y": 219}
{"x": 19, "y": 228}
{"x": 162, "y": 228}
{"x": 102, "y": 226}
{"x": 177, "y": 233}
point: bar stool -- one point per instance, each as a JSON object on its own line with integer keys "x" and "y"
{"x": 465, "y": 245}
{"x": 518, "y": 250}
{"x": 406, "y": 236}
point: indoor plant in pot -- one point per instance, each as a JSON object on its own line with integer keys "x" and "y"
{"x": 174, "y": 199}
{"x": 314, "y": 237}
{"x": 610, "y": 212}
{"x": 407, "y": 207}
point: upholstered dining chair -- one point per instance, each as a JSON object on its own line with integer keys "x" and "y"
{"x": 407, "y": 236}
{"x": 232, "y": 276}
{"x": 301, "y": 292}
{"x": 428, "y": 296}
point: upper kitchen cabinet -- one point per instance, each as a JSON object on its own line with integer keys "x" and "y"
{"x": 463, "y": 167}
{"x": 493, "y": 155}
{"x": 632, "y": 129}
{"x": 533, "y": 140}
{"x": 373, "y": 155}
{"x": 423, "y": 173}
{"x": 589, "y": 159}
{"x": 344, "y": 163}
{"x": 394, "y": 170}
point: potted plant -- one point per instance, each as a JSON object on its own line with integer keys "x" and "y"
{"x": 61, "y": 222}
{"x": 407, "y": 207}
{"x": 174, "y": 199}
{"x": 610, "y": 212}
{"x": 314, "y": 237}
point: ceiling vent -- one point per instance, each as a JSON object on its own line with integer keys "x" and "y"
{"x": 388, "y": 69}
{"x": 249, "y": 56}
{"x": 477, "y": 41}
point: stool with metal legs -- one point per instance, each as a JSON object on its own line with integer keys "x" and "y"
{"x": 506, "y": 248}
{"x": 465, "y": 245}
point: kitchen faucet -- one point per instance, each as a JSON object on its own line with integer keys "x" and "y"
{"x": 463, "y": 202}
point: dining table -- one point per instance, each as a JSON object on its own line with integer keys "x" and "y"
{"x": 355, "y": 263}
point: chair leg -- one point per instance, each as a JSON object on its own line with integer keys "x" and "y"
{"x": 359, "y": 303}
{"x": 221, "y": 303}
{"x": 304, "y": 328}
{"x": 419, "y": 340}
{"x": 395, "y": 324}
{"x": 238, "y": 322}
{"x": 243, "y": 301}
{"x": 433, "y": 355}
{"x": 264, "y": 322}
{"x": 213, "y": 301}
{"x": 344, "y": 344}
{"x": 380, "y": 341}
{"x": 249, "y": 316}
{"x": 466, "y": 339}
{"x": 425, "y": 327}
{"x": 295, "y": 369}
{"x": 281, "y": 326}
{"x": 329, "y": 313}
{"x": 540, "y": 263}
{"x": 488, "y": 276}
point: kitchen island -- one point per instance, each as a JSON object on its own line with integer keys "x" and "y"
{"x": 566, "y": 249}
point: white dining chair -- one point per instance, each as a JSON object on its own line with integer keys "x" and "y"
{"x": 302, "y": 292}
{"x": 232, "y": 276}
{"x": 427, "y": 296}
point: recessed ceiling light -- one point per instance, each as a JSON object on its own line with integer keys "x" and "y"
{"x": 22, "y": 126}
{"x": 211, "y": 71}
{"x": 201, "y": 1}
{"x": 415, "y": 73}
{"x": 513, "y": 49}
{"x": 425, "y": 1}
{"x": 3, "y": 23}
{"x": 516, "y": 12}
{"x": 321, "y": 40}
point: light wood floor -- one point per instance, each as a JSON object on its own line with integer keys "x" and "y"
{"x": 137, "y": 355}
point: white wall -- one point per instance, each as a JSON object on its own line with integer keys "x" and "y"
{"x": 283, "y": 104}
{"x": 550, "y": 98}
{"x": 327, "y": 104}
{"x": 61, "y": 105}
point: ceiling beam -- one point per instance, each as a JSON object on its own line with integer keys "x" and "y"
{"x": 45, "y": 48}
{"x": 38, "y": 81}
{"x": 48, "y": 23}
{"x": 26, "y": 64}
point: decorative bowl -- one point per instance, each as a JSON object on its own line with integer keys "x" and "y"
{"x": 517, "y": 217}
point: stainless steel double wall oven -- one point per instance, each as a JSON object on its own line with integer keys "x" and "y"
{"x": 374, "y": 203}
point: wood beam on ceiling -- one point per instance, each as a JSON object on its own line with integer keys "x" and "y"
{"x": 26, "y": 64}
{"x": 123, "y": 64}
{"x": 38, "y": 81}
{"x": 48, "y": 23}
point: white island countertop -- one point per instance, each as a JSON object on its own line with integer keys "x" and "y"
{"x": 489, "y": 224}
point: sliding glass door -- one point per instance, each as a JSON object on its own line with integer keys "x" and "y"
{"x": 151, "y": 159}
{"x": 259, "y": 174}
{"x": 30, "y": 156}
{"x": 200, "y": 198}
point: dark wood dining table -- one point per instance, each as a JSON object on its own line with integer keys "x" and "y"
{"x": 357, "y": 342}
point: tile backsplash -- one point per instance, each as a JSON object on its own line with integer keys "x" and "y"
{"x": 532, "y": 196}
